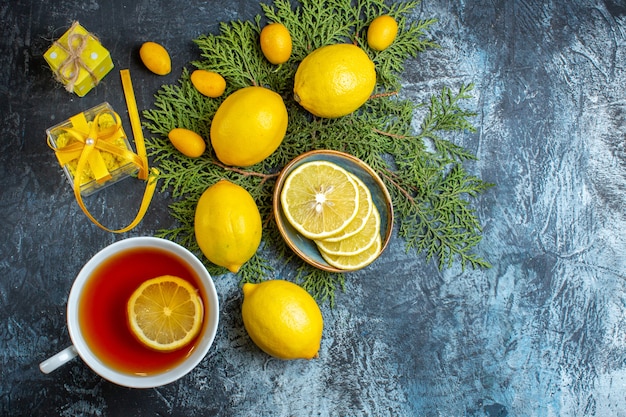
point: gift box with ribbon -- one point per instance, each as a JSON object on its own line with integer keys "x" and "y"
{"x": 99, "y": 131}
{"x": 94, "y": 152}
{"x": 78, "y": 60}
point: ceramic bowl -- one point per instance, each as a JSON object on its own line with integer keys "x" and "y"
{"x": 306, "y": 248}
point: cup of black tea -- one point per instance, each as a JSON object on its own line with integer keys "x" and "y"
{"x": 97, "y": 317}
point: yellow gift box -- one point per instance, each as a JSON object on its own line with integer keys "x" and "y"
{"x": 78, "y": 60}
{"x": 112, "y": 158}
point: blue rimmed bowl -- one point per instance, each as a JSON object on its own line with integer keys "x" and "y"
{"x": 306, "y": 248}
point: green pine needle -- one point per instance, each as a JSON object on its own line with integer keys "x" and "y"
{"x": 423, "y": 170}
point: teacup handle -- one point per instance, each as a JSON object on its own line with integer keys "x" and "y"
{"x": 58, "y": 360}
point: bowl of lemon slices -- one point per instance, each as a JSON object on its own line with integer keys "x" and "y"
{"x": 333, "y": 210}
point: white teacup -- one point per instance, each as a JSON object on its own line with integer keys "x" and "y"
{"x": 81, "y": 347}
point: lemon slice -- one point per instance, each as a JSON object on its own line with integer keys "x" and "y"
{"x": 354, "y": 262}
{"x": 365, "y": 210}
{"x": 319, "y": 199}
{"x": 282, "y": 319}
{"x": 357, "y": 243}
{"x": 165, "y": 313}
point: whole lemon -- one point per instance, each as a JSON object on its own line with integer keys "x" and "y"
{"x": 282, "y": 319}
{"x": 382, "y": 32}
{"x": 248, "y": 126}
{"x": 227, "y": 225}
{"x": 276, "y": 43}
{"x": 334, "y": 80}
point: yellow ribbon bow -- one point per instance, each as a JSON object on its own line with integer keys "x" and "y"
{"x": 91, "y": 136}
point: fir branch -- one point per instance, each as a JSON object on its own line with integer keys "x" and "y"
{"x": 234, "y": 54}
{"x": 256, "y": 270}
{"x": 323, "y": 284}
{"x": 430, "y": 188}
{"x": 444, "y": 224}
{"x": 446, "y": 115}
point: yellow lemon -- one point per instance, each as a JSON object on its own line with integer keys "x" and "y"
{"x": 282, "y": 319}
{"x": 156, "y": 58}
{"x": 248, "y": 126}
{"x": 227, "y": 225}
{"x": 165, "y": 313}
{"x": 276, "y": 43}
{"x": 382, "y": 32}
{"x": 334, "y": 80}
{"x": 187, "y": 142}
{"x": 208, "y": 83}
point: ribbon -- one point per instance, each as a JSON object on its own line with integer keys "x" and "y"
{"x": 91, "y": 139}
{"x": 135, "y": 122}
{"x": 69, "y": 70}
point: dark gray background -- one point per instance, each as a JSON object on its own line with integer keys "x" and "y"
{"x": 542, "y": 333}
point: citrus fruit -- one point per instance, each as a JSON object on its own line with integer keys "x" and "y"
{"x": 156, "y": 58}
{"x": 356, "y": 243}
{"x": 358, "y": 261}
{"x": 187, "y": 142}
{"x": 276, "y": 43}
{"x": 365, "y": 210}
{"x": 382, "y": 32}
{"x": 208, "y": 83}
{"x": 282, "y": 319}
{"x": 227, "y": 225}
{"x": 165, "y": 313}
{"x": 334, "y": 80}
{"x": 319, "y": 199}
{"x": 248, "y": 126}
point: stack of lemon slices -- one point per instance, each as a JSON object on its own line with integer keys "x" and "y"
{"x": 334, "y": 208}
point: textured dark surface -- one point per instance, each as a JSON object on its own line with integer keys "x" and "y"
{"x": 542, "y": 333}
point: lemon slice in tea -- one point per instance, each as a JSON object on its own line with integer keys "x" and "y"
{"x": 319, "y": 199}
{"x": 357, "y": 243}
{"x": 354, "y": 262}
{"x": 165, "y": 313}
